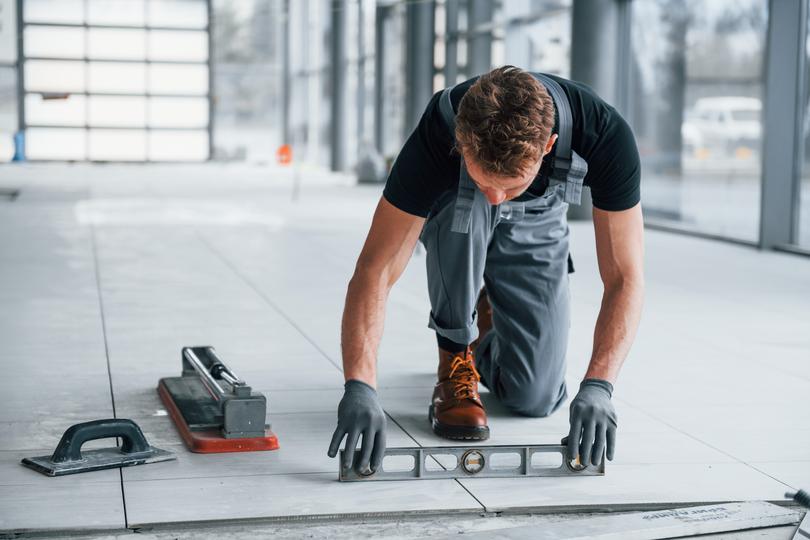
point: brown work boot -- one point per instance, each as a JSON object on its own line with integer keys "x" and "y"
{"x": 456, "y": 411}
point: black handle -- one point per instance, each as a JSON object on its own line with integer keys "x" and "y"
{"x": 70, "y": 446}
{"x": 802, "y": 497}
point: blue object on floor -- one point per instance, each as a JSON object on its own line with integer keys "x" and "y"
{"x": 19, "y": 146}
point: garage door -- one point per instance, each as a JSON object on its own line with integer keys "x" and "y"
{"x": 116, "y": 80}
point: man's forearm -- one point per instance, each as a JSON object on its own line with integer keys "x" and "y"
{"x": 615, "y": 329}
{"x": 362, "y": 327}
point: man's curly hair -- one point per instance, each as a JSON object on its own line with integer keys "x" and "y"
{"x": 504, "y": 121}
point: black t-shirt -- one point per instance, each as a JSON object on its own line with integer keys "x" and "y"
{"x": 427, "y": 166}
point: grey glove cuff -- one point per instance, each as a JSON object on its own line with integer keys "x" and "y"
{"x": 598, "y": 383}
{"x": 353, "y": 385}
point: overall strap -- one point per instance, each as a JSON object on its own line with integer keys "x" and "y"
{"x": 569, "y": 168}
{"x": 446, "y": 109}
{"x": 466, "y": 188}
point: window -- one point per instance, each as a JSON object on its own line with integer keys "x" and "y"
{"x": 696, "y": 106}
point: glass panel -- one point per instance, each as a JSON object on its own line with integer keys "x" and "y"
{"x": 54, "y": 42}
{"x": 54, "y": 11}
{"x": 550, "y": 43}
{"x": 178, "y": 145}
{"x": 113, "y": 111}
{"x": 68, "y": 111}
{"x": 696, "y": 112}
{"x": 536, "y": 37}
{"x": 8, "y": 99}
{"x": 803, "y": 226}
{"x": 55, "y": 143}
{"x": 178, "y": 13}
{"x": 248, "y": 82}
{"x": 111, "y": 77}
{"x": 116, "y": 44}
{"x": 178, "y": 79}
{"x": 116, "y": 12}
{"x": 54, "y": 76}
{"x": 117, "y": 145}
{"x": 178, "y": 112}
{"x": 185, "y": 45}
{"x": 8, "y": 32}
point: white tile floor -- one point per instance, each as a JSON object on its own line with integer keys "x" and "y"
{"x": 711, "y": 402}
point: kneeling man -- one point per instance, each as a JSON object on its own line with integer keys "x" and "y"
{"x": 484, "y": 181}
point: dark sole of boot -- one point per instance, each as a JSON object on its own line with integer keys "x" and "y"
{"x": 457, "y": 433}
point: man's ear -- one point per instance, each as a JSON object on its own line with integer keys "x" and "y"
{"x": 550, "y": 143}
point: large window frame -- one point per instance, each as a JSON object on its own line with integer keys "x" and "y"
{"x": 783, "y": 117}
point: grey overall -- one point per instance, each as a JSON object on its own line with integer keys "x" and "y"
{"x": 520, "y": 251}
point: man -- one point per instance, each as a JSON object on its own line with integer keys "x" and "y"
{"x": 485, "y": 181}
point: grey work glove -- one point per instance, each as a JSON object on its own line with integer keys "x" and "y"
{"x": 360, "y": 413}
{"x": 593, "y": 423}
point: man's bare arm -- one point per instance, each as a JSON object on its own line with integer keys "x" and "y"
{"x": 620, "y": 253}
{"x": 385, "y": 255}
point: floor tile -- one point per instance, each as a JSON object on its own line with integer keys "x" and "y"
{"x": 746, "y": 417}
{"x": 32, "y": 501}
{"x": 303, "y": 401}
{"x": 159, "y": 501}
{"x": 630, "y": 484}
{"x": 759, "y": 444}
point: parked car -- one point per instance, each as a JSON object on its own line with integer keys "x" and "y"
{"x": 723, "y": 124}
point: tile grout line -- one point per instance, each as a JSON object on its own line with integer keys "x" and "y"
{"x": 456, "y": 480}
{"x": 97, "y": 272}
{"x": 264, "y": 297}
{"x": 693, "y": 437}
{"x": 483, "y": 506}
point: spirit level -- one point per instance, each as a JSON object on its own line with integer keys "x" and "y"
{"x": 472, "y": 462}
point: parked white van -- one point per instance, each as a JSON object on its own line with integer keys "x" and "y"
{"x": 724, "y": 123}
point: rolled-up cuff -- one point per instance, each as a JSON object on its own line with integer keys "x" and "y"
{"x": 466, "y": 335}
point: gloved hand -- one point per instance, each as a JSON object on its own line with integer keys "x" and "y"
{"x": 359, "y": 413}
{"x": 593, "y": 423}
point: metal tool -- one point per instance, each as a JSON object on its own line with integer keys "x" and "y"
{"x": 803, "y": 498}
{"x": 213, "y": 408}
{"x": 68, "y": 457}
{"x": 474, "y": 461}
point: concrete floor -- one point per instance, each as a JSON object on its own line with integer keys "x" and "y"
{"x": 107, "y": 271}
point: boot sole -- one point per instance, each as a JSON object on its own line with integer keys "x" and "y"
{"x": 457, "y": 433}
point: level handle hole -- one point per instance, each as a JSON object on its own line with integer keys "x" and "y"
{"x": 501, "y": 461}
{"x": 398, "y": 463}
{"x": 441, "y": 462}
{"x": 546, "y": 460}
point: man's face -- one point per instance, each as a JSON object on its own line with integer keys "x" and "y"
{"x": 498, "y": 189}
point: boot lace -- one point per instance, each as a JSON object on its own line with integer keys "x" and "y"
{"x": 464, "y": 376}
